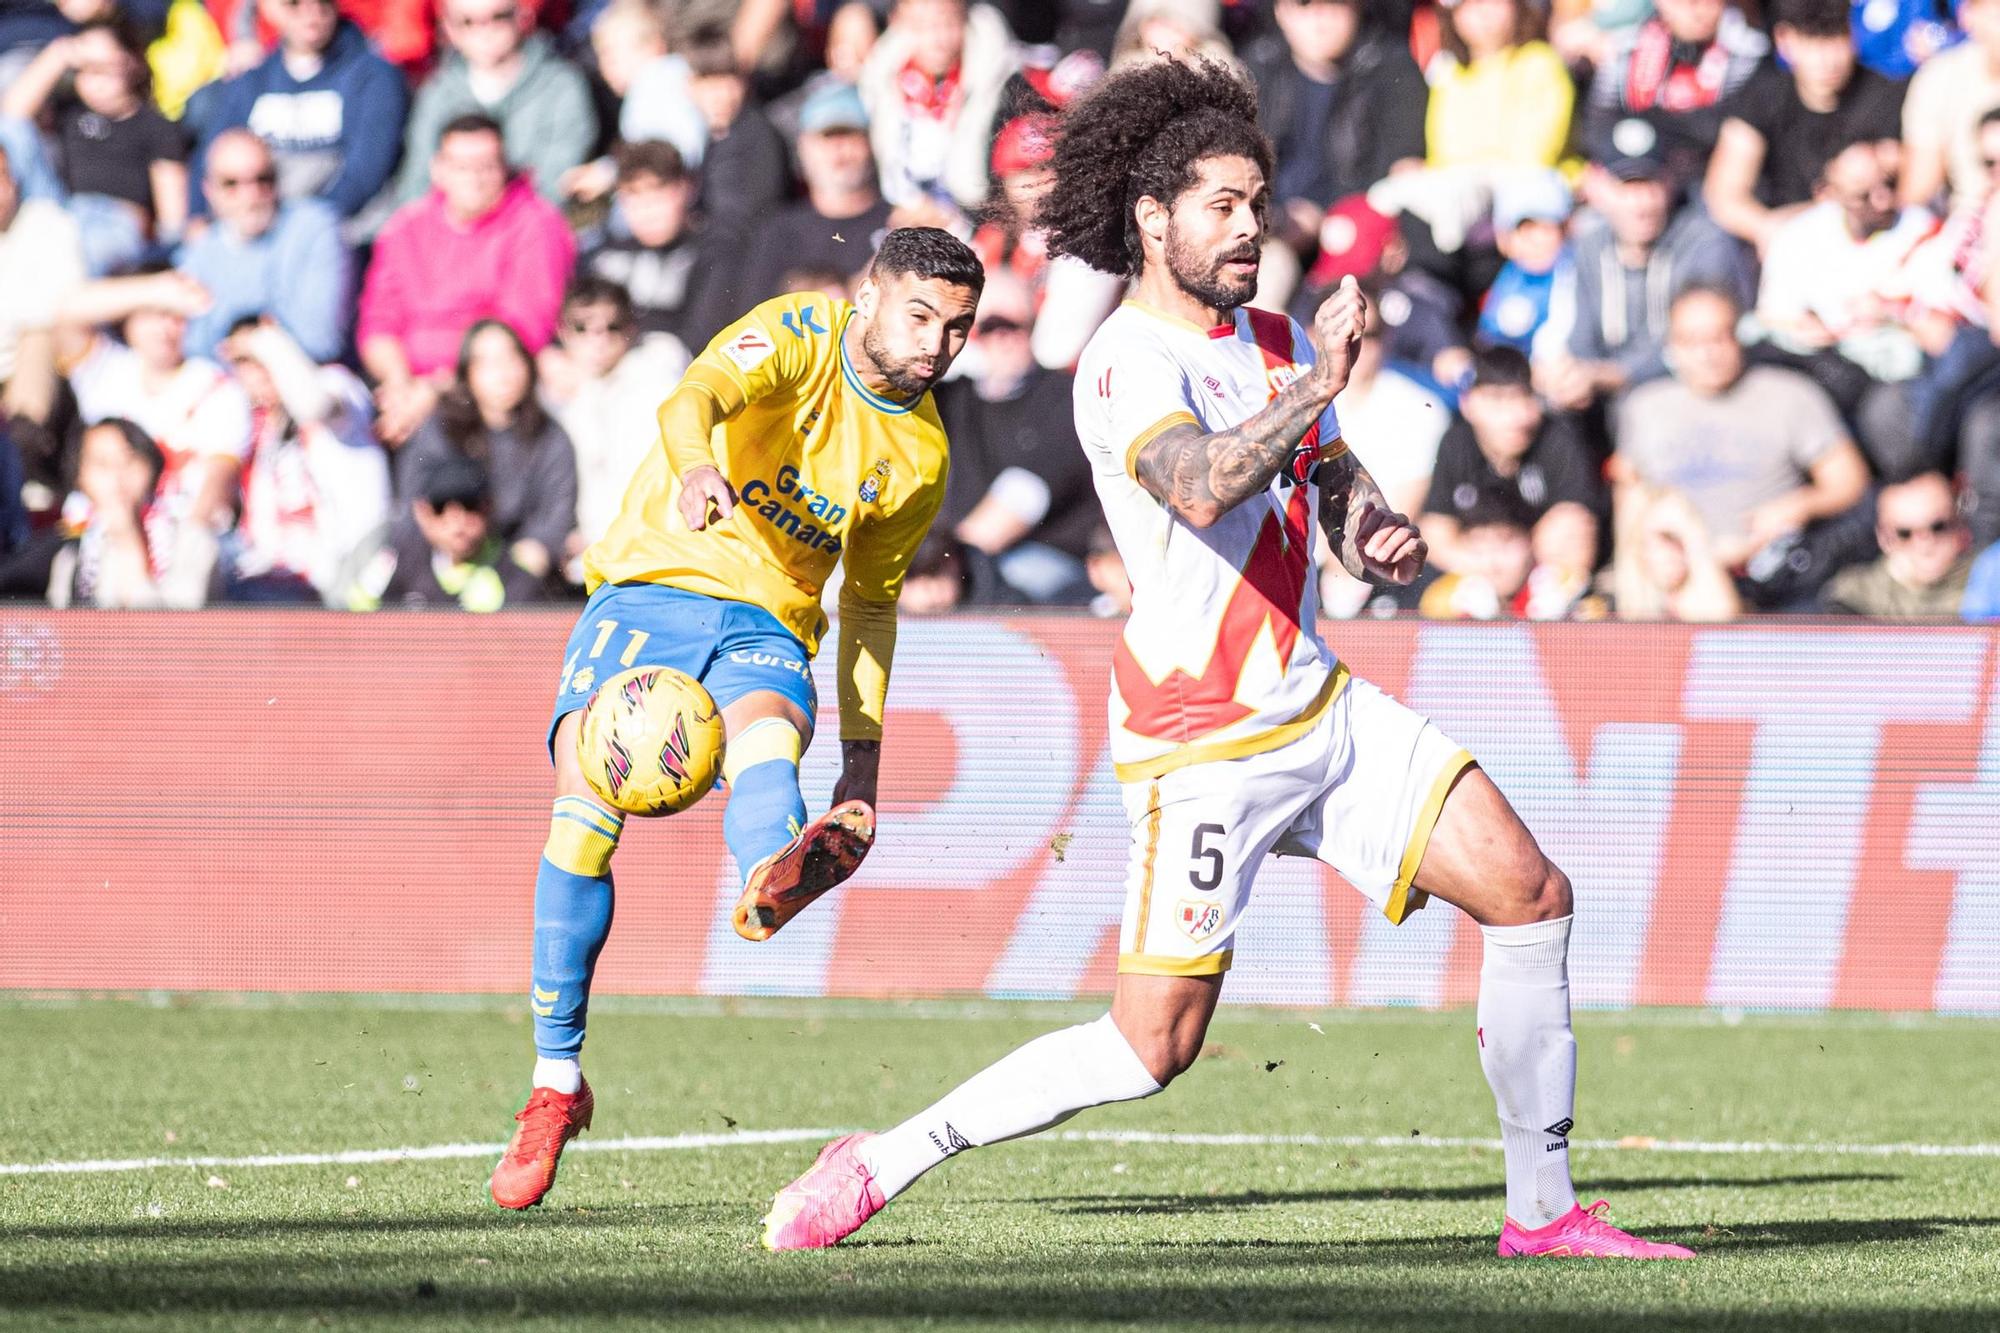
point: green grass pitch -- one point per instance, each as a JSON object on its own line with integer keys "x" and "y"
{"x": 1038, "y": 1234}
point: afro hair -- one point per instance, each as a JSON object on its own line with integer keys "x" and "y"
{"x": 1143, "y": 132}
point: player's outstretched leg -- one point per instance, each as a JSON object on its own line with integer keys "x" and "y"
{"x": 573, "y": 901}
{"x": 1035, "y": 1087}
{"x": 1481, "y": 858}
{"x": 787, "y": 862}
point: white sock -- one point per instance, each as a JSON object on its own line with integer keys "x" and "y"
{"x": 1041, "y": 1084}
{"x": 564, "y": 1076}
{"x": 1529, "y": 1055}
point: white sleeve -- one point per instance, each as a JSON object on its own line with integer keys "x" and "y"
{"x": 1129, "y": 390}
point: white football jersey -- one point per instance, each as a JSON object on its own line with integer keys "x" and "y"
{"x": 1221, "y": 656}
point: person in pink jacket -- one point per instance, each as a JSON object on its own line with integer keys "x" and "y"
{"x": 481, "y": 245}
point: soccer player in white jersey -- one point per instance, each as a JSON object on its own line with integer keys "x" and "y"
{"x": 1236, "y": 731}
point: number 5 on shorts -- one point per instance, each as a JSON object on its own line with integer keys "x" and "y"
{"x": 1207, "y": 874}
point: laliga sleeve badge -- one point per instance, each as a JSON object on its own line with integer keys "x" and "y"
{"x": 749, "y": 348}
{"x": 871, "y": 485}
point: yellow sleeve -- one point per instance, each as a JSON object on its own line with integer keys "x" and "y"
{"x": 755, "y": 357}
{"x": 867, "y": 646}
{"x": 876, "y": 561}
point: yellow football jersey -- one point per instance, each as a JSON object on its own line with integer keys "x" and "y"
{"x": 824, "y": 469}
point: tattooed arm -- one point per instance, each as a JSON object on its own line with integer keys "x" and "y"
{"x": 1374, "y": 543}
{"x": 1202, "y": 476}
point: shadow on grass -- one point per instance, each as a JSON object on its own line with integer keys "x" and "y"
{"x": 1113, "y": 1204}
{"x": 1436, "y": 1283}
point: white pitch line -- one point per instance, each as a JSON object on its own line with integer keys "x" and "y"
{"x": 750, "y": 1137}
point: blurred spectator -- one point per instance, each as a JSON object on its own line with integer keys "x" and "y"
{"x": 263, "y": 255}
{"x": 482, "y": 246}
{"x": 843, "y": 217}
{"x": 123, "y": 550}
{"x": 932, "y": 86}
{"x": 446, "y": 557}
{"x": 330, "y": 109}
{"x": 1504, "y": 98}
{"x": 850, "y": 36}
{"x": 1019, "y": 494}
{"x": 678, "y": 278}
{"x": 1344, "y": 105}
{"x": 1942, "y": 109}
{"x": 1760, "y": 452}
{"x": 187, "y": 55}
{"x": 1506, "y": 446}
{"x": 1666, "y": 567}
{"x": 1836, "y": 292}
{"x": 1108, "y": 577}
{"x": 123, "y": 164}
{"x": 605, "y": 384}
{"x": 1178, "y": 29}
{"x": 1926, "y": 556}
{"x": 630, "y": 42}
{"x": 938, "y": 581}
{"x": 1663, "y": 89}
{"x": 14, "y": 532}
{"x": 1982, "y": 587}
{"x": 1008, "y": 239}
{"x": 1782, "y": 127}
{"x": 493, "y": 416}
{"x": 190, "y": 406}
{"x": 1955, "y": 403}
{"x": 1391, "y": 421}
{"x": 823, "y": 281}
{"x": 1494, "y": 554}
{"x": 501, "y": 67}
{"x": 316, "y": 484}
{"x": 1530, "y": 210}
{"x": 41, "y": 265}
{"x": 1607, "y": 323}
{"x": 1893, "y": 37}
{"x": 1420, "y": 313}
{"x": 1070, "y": 299}
{"x": 744, "y": 172}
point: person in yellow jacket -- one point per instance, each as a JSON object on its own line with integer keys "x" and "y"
{"x": 803, "y": 437}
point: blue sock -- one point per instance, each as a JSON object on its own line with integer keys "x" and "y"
{"x": 573, "y": 899}
{"x": 765, "y": 812}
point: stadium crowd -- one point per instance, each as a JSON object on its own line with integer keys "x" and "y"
{"x": 1681, "y": 311}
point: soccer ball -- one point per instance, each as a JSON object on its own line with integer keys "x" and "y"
{"x": 651, "y": 741}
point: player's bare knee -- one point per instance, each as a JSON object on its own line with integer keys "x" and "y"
{"x": 1551, "y": 898}
{"x": 1167, "y": 1049}
{"x": 1167, "y": 1058}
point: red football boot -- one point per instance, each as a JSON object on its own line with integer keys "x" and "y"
{"x": 548, "y": 1122}
{"x": 784, "y": 883}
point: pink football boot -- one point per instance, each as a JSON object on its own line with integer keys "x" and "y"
{"x": 1582, "y": 1233}
{"x": 827, "y": 1204}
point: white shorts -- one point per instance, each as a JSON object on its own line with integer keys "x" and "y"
{"x": 1360, "y": 792}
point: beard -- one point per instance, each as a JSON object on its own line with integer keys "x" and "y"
{"x": 1202, "y": 277}
{"x": 901, "y": 374}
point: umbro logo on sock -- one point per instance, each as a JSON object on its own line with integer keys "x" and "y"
{"x": 1560, "y": 1129}
{"x": 952, "y": 1143}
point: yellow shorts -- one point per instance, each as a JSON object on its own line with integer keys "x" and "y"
{"x": 1360, "y": 792}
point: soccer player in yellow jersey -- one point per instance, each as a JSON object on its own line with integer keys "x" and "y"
{"x": 803, "y": 437}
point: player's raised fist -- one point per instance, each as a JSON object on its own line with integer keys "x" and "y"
{"x": 1389, "y": 545}
{"x": 706, "y": 497}
{"x": 1336, "y": 332}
